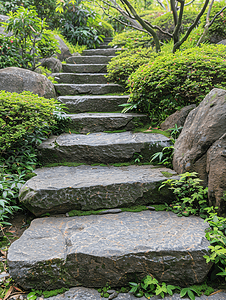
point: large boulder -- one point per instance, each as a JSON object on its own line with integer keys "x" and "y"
{"x": 17, "y": 80}
{"x": 53, "y": 64}
{"x": 202, "y": 142}
{"x": 177, "y": 118}
{"x": 65, "y": 52}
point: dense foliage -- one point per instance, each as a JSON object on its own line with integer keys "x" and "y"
{"x": 172, "y": 81}
{"x": 124, "y": 64}
{"x": 30, "y": 40}
{"x": 132, "y": 39}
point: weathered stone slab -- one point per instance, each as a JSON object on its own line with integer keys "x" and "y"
{"x": 64, "y": 89}
{"x": 86, "y": 103}
{"x": 104, "y": 52}
{"x": 61, "y": 189}
{"x": 93, "y": 250}
{"x": 98, "y": 122}
{"x": 98, "y": 59}
{"x": 84, "y": 68}
{"x": 80, "y": 78}
{"x": 81, "y": 293}
{"x": 101, "y": 147}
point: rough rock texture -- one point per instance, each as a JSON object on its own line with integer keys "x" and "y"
{"x": 93, "y": 250}
{"x": 216, "y": 169}
{"x": 98, "y": 122}
{"x": 95, "y": 59}
{"x": 2, "y": 29}
{"x": 17, "y": 80}
{"x": 88, "y": 89}
{"x": 178, "y": 118}
{"x": 85, "y": 68}
{"x": 80, "y": 104}
{"x": 80, "y": 78}
{"x": 223, "y": 42}
{"x": 81, "y": 293}
{"x": 52, "y": 64}
{"x": 65, "y": 52}
{"x": 104, "y": 52}
{"x": 101, "y": 147}
{"x": 61, "y": 189}
{"x": 204, "y": 126}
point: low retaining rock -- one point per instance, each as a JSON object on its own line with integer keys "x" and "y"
{"x": 93, "y": 250}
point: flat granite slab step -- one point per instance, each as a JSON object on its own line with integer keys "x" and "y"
{"x": 80, "y": 78}
{"x": 99, "y": 122}
{"x": 93, "y": 250}
{"x": 90, "y": 103}
{"x": 61, "y": 189}
{"x": 104, "y": 52}
{"x": 101, "y": 147}
{"x": 82, "y": 293}
{"x": 64, "y": 89}
{"x": 95, "y": 59}
{"x": 84, "y": 68}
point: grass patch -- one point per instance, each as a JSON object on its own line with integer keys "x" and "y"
{"x": 75, "y": 164}
{"x": 167, "y": 174}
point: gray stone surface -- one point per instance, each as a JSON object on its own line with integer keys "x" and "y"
{"x": 93, "y": 250}
{"x": 61, "y": 189}
{"x": 101, "y": 147}
{"x": 52, "y": 63}
{"x": 81, "y": 293}
{"x": 17, "y": 80}
{"x": 92, "y": 103}
{"x": 104, "y": 52}
{"x": 177, "y": 118}
{"x": 64, "y": 89}
{"x": 80, "y": 78}
{"x": 65, "y": 52}
{"x": 85, "y": 68}
{"x": 98, "y": 59}
{"x": 98, "y": 122}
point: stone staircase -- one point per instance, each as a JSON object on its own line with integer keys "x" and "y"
{"x": 113, "y": 245}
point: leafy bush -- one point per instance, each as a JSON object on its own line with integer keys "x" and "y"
{"x": 172, "y": 81}
{"x": 217, "y": 31}
{"x": 9, "y": 54}
{"x": 45, "y": 9}
{"x": 132, "y": 39}
{"x": 30, "y": 39}
{"x": 76, "y": 25}
{"x": 121, "y": 66}
{"x": 103, "y": 28}
{"x": 21, "y": 114}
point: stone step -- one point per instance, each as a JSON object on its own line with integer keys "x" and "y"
{"x": 116, "y": 249}
{"x": 101, "y": 147}
{"x": 83, "y": 293}
{"x": 84, "y": 68}
{"x": 61, "y": 189}
{"x": 98, "y": 122}
{"x": 89, "y": 59}
{"x": 100, "y": 103}
{"x": 108, "y": 39}
{"x": 64, "y": 89}
{"x": 104, "y": 46}
{"x": 104, "y": 52}
{"x": 80, "y": 78}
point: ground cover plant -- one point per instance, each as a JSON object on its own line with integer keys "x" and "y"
{"x": 172, "y": 81}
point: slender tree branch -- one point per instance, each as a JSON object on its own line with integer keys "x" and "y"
{"x": 214, "y": 18}
{"x": 177, "y": 45}
{"x": 178, "y": 26}
{"x": 206, "y": 28}
{"x": 189, "y": 3}
{"x": 174, "y": 10}
{"x": 160, "y": 29}
{"x": 163, "y": 6}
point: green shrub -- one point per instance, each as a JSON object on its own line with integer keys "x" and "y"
{"x": 121, "y": 66}
{"x": 21, "y": 114}
{"x": 132, "y": 39}
{"x": 217, "y": 31}
{"x": 30, "y": 39}
{"x": 172, "y": 81}
{"x": 103, "y": 28}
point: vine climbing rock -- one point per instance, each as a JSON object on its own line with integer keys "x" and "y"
{"x": 96, "y": 249}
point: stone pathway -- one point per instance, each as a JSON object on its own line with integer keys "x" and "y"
{"x": 93, "y": 250}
